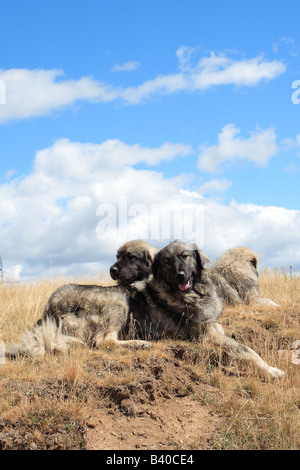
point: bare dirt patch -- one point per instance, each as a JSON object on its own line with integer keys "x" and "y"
{"x": 162, "y": 411}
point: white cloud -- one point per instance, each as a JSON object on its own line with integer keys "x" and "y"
{"x": 30, "y": 93}
{"x": 2, "y": 92}
{"x": 258, "y": 148}
{"x": 215, "y": 186}
{"x": 79, "y": 160}
{"x": 270, "y": 231}
{"x": 291, "y": 144}
{"x": 184, "y": 55}
{"x": 126, "y": 67}
{"x": 51, "y": 217}
{"x": 214, "y": 70}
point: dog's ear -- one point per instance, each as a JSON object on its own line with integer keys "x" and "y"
{"x": 148, "y": 257}
{"x": 202, "y": 259}
{"x": 156, "y": 266}
{"x": 149, "y": 254}
{"x": 254, "y": 262}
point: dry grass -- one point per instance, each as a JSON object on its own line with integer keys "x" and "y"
{"x": 49, "y": 397}
{"x": 22, "y": 304}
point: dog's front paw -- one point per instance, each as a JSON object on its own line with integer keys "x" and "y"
{"x": 140, "y": 344}
{"x": 276, "y": 373}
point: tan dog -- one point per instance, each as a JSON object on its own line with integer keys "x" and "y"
{"x": 235, "y": 275}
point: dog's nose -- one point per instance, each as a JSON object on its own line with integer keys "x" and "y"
{"x": 180, "y": 275}
{"x": 113, "y": 271}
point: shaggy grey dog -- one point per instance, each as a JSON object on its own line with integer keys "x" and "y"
{"x": 236, "y": 277}
{"x": 89, "y": 314}
{"x": 180, "y": 297}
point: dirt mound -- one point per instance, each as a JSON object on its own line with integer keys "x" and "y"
{"x": 152, "y": 401}
{"x": 164, "y": 409}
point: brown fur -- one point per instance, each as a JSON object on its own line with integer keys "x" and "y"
{"x": 236, "y": 277}
{"x": 134, "y": 261}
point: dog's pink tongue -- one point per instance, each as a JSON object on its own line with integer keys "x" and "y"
{"x": 184, "y": 286}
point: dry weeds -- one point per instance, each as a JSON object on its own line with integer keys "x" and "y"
{"x": 51, "y": 403}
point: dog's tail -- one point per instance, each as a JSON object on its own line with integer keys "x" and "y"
{"x": 46, "y": 337}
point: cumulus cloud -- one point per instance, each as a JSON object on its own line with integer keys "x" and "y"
{"x": 77, "y": 206}
{"x": 28, "y": 93}
{"x": 80, "y": 160}
{"x": 258, "y": 148}
{"x": 270, "y": 231}
{"x": 2, "y": 92}
{"x": 50, "y": 216}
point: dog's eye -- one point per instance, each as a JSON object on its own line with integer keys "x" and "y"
{"x": 184, "y": 256}
{"x": 167, "y": 261}
{"x": 131, "y": 257}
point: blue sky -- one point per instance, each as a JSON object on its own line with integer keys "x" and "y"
{"x": 161, "y": 102}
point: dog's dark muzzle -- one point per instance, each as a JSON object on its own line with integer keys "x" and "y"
{"x": 183, "y": 281}
{"x": 114, "y": 272}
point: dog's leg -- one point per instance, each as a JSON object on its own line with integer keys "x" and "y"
{"x": 240, "y": 352}
{"x": 265, "y": 301}
{"x": 253, "y": 298}
{"x": 113, "y": 337}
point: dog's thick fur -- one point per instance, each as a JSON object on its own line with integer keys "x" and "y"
{"x": 89, "y": 314}
{"x": 180, "y": 297}
{"x": 236, "y": 277}
{"x": 47, "y": 337}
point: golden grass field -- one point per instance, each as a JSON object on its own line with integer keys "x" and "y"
{"x": 68, "y": 402}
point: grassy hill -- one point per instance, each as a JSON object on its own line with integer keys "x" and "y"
{"x": 178, "y": 395}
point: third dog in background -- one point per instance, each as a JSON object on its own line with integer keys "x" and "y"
{"x": 235, "y": 275}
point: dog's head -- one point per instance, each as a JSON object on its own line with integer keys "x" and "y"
{"x": 180, "y": 265}
{"x": 134, "y": 260}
